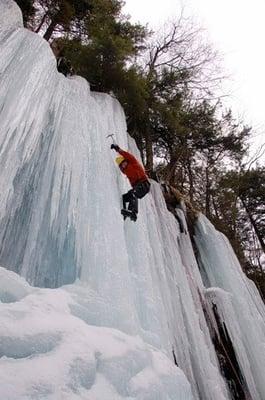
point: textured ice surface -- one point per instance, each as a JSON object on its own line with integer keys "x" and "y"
{"x": 60, "y": 224}
{"x": 238, "y": 303}
{"x": 47, "y": 353}
{"x": 11, "y": 16}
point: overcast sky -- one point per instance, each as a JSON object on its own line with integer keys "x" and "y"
{"x": 237, "y": 29}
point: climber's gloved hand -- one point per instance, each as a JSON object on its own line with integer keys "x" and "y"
{"x": 115, "y": 147}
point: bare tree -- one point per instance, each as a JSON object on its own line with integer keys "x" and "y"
{"x": 181, "y": 47}
{"x": 178, "y": 62}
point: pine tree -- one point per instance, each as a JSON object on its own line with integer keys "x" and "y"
{"x": 109, "y": 42}
{"x": 247, "y": 189}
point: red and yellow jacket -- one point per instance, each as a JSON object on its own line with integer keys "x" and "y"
{"x": 134, "y": 171}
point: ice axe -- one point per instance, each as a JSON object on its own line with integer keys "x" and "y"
{"x": 111, "y": 136}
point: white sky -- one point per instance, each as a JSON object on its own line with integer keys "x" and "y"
{"x": 237, "y": 29}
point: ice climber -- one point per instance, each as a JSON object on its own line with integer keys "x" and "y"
{"x": 138, "y": 180}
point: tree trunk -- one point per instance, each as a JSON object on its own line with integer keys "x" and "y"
{"x": 253, "y": 223}
{"x": 139, "y": 142}
{"x": 149, "y": 166}
{"x": 47, "y": 35}
{"x": 191, "y": 181}
{"x": 215, "y": 208}
{"x": 41, "y": 23}
{"x": 207, "y": 193}
{"x": 170, "y": 168}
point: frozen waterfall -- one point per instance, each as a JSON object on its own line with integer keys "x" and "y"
{"x": 94, "y": 307}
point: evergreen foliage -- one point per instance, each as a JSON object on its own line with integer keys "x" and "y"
{"x": 241, "y": 216}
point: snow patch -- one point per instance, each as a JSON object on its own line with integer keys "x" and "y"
{"x": 48, "y": 353}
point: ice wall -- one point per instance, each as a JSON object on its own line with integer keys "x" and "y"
{"x": 238, "y": 303}
{"x": 60, "y": 224}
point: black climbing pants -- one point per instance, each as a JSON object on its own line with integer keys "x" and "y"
{"x": 137, "y": 192}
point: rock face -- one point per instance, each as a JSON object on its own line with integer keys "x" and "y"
{"x": 103, "y": 283}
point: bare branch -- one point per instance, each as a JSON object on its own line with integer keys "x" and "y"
{"x": 258, "y": 154}
{"x": 181, "y": 47}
